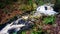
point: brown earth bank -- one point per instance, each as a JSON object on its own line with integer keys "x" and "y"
{"x": 5, "y": 17}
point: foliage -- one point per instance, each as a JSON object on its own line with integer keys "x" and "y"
{"x": 32, "y": 31}
{"x": 31, "y": 5}
{"x": 39, "y": 2}
{"x": 30, "y": 2}
{"x": 14, "y": 33}
{"x": 2, "y": 5}
{"x": 49, "y": 20}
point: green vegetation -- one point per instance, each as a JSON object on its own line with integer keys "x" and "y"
{"x": 49, "y": 20}
{"x": 28, "y": 5}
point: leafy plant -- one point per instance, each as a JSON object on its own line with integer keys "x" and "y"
{"x": 14, "y": 33}
{"x": 23, "y": 32}
{"x": 39, "y": 2}
{"x": 49, "y": 20}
